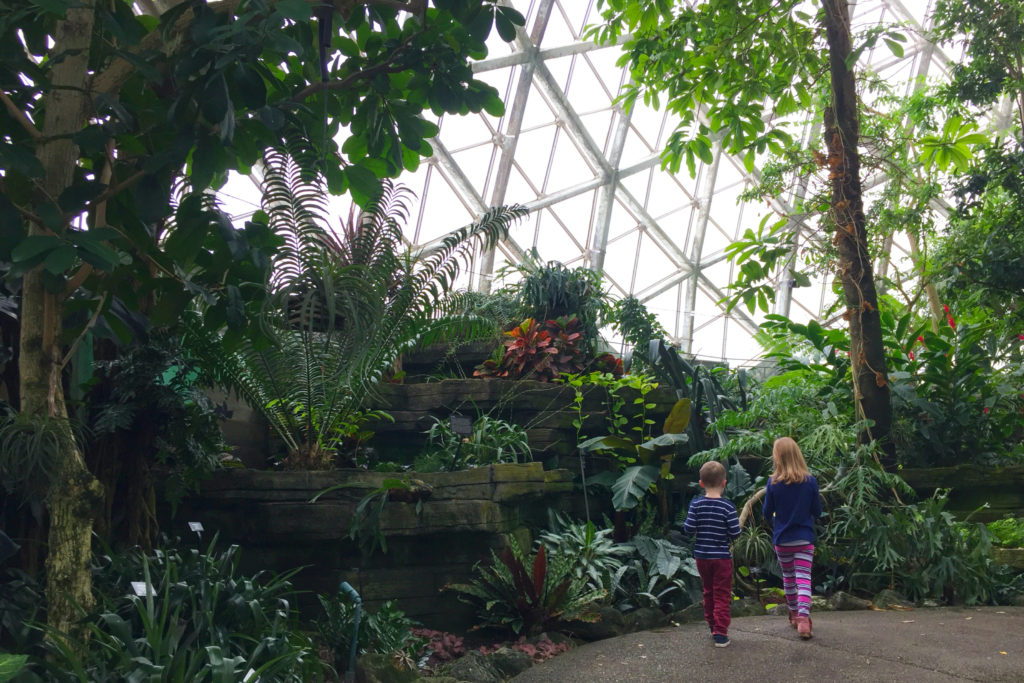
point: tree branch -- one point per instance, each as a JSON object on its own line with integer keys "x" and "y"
{"x": 384, "y": 67}
{"x": 78, "y": 340}
{"x": 20, "y": 116}
{"x": 114, "y": 189}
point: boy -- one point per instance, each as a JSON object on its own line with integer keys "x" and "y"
{"x": 713, "y": 519}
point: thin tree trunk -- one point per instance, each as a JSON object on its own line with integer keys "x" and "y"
{"x": 842, "y": 133}
{"x": 73, "y": 492}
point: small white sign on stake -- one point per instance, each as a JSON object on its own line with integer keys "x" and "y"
{"x": 251, "y": 677}
{"x": 196, "y": 527}
{"x": 142, "y": 589}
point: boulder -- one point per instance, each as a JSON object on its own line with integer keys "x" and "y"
{"x": 644, "y": 619}
{"x": 845, "y": 602}
{"x": 890, "y": 599}
{"x": 377, "y": 668}
{"x": 510, "y": 663}
{"x": 689, "y": 615}
{"x": 609, "y": 624}
{"x": 747, "y": 607}
{"x": 473, "y": 667}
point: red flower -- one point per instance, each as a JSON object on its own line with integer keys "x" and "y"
{"x": 1021, "y": 336}
{"x": 921, "y": 339}
{"x": 986, "y": 410}
{"x": 952, "y": 323}
{"x": 911, "y": 354}
{"x": 945, "y": 309}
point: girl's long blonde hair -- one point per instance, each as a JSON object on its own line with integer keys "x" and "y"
{"x": 789, "y": 464}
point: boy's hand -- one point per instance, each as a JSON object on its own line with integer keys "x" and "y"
{"x": 677, "y": 537}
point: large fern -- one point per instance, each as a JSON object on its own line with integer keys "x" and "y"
{"x": 340, "y": 311}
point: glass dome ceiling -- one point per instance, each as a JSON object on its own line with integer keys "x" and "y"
{"x": 591, "y": 175}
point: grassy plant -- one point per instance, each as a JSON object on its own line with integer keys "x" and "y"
{"x": 492, "y": 440}
{"x": 194, "y": 618}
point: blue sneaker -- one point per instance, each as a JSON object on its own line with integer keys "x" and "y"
{"x": 721, "y": 640}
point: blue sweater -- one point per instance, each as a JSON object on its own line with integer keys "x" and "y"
{"x": 715, "y": 522}
{"x": 791, "y": 509}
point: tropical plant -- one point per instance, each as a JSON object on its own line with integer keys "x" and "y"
{"x": 336, "y": 327}
{"x": 598, "y": 557}
{"x": 127, "y": 449}
{"x": 702, "y": 50}
{"x": 636, "y": 480}
{"x": 527, "y": 592}
{"x": 22, "y": 605}
{"x": 1007, "y": 532}
{"x": 492, "y": 440}
{"x": 385, "y": 630}
{"x": 659, "y": 574}
{"x": 185, "y": 615}
{"x": 548, "y": 291}
{"x": 162, "y": 89}
{"x": 535, "y": 351}
{"x": 918, "y": 549}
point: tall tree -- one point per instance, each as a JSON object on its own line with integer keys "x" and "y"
{"x": 736, "y": 72}
{"x": 114, "y": 127}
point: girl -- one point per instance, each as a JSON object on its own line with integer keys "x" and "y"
{"x": 791, "y": 505}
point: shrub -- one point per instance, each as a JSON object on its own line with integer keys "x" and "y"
{"x": 526, "y": 592}
{"x": 493, "y": 440}
{"x": 197, "y": 619}
{"x": 384, "y": 631}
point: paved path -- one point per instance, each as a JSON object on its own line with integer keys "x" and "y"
{"x": 933, "y": 645}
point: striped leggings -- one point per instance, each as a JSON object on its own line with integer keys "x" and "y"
{"x": 795, "y": 562}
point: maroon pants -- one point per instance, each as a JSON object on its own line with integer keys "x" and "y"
{"x": 716, "y": 575}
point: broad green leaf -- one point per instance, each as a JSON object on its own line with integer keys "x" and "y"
{"x": 632, "y": 485}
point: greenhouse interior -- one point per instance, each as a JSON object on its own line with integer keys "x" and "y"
{"x": 480, "y": 340}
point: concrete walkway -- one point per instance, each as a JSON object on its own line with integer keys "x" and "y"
{"x": 933, "y": 645}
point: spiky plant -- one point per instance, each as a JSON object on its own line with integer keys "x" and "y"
{"x": 339, "y": 314}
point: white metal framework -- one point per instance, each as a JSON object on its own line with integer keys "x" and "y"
{"x": 591, "y": 174}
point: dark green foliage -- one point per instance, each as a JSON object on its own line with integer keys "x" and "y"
{"x": 145, "y": 405}
{"x": 199, "y": 620}
{"x": 339, "y": 315}
{"x": 493, "y": 440}
{"x": 385, "y": 631}
{"x": 992, "y": 32}
{"x": 526, "y": 592}
{"x": 28, "y": 444}
{"x": 657, "y": 574}
{"x": 552, "y": 290}
{"x": 919, "y": 549}
{"x": 22, "y": 605}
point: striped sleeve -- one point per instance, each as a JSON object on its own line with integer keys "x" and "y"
{"x": 733, "y": 521}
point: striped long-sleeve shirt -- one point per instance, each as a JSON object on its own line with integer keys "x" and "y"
{"x": 715, "y": 523}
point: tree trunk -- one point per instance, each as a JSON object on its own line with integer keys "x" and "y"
{"x": 842, "y": 133}
{"x": 73, "y": 492}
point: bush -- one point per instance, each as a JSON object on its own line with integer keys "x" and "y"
{"x": 387, "y": 631}
{"x": 197, "y": 619}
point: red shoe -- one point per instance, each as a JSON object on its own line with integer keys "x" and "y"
{"x": 803, "y": 627}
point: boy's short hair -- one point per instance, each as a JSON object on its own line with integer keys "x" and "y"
{"x": 712, "y": 473}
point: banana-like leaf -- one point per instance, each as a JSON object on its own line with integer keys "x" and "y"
{"x": 609, "y": 442}
{"x": 631, "y": 486}
{"x": 679, "y": 419}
